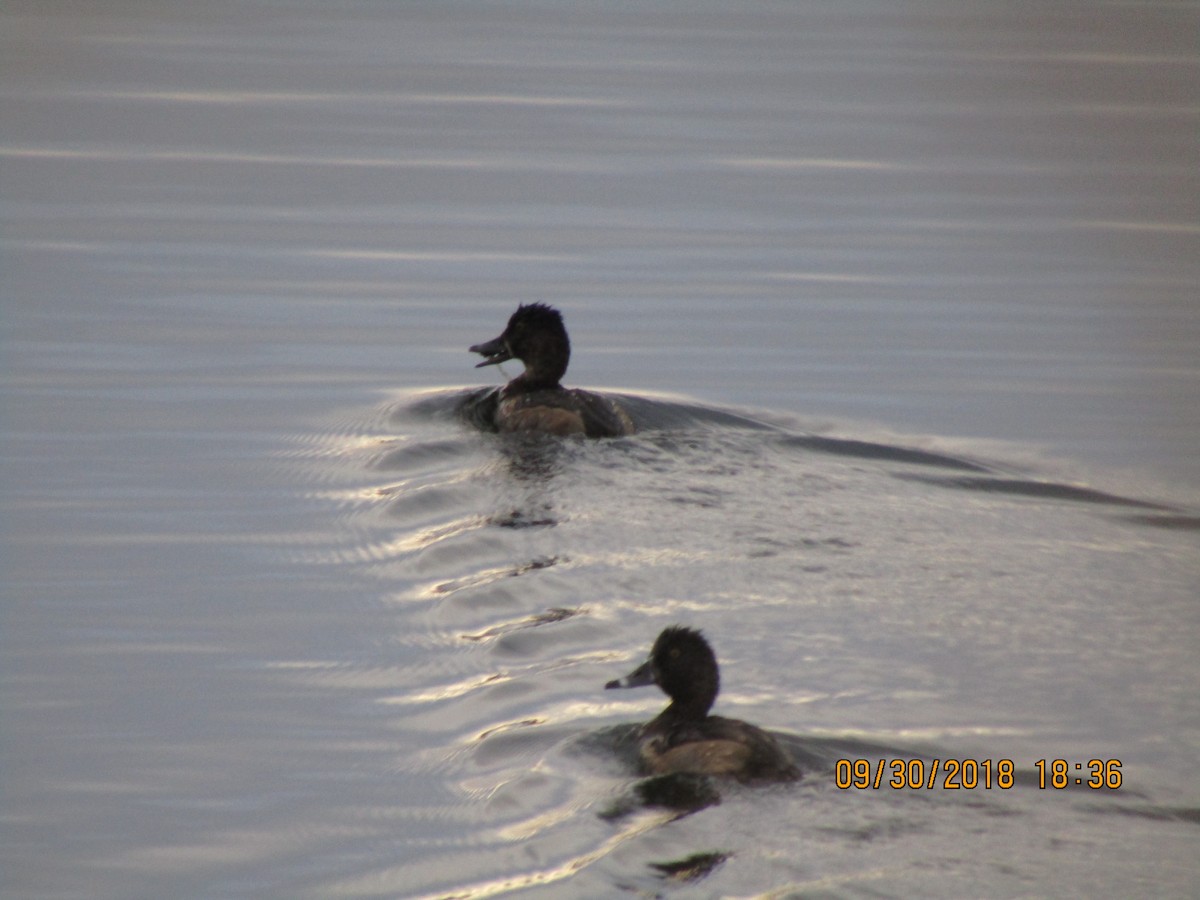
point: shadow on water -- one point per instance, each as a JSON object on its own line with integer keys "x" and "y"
{"x": 1037, "y": 489}
{"x": 535, "y": 457}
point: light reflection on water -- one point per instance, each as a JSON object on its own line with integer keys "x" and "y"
{"x": 277, "y": 624}
{"x": 796, "y": 561}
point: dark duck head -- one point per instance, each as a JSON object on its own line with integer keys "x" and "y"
{"x": 684, "y": 666}
{"x": 684, "y": 738}
{"x": 535, "y": 335}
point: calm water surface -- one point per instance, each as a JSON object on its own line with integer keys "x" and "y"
{"x": 902, "y": 295}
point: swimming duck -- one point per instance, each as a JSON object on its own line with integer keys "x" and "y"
{"x": 534, "y": 400}
{"x": 684, "y": 738}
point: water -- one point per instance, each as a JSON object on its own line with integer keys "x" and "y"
{"x": 904, "y": 296}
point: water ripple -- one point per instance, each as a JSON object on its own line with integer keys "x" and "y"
{"x": 517, "y": 577}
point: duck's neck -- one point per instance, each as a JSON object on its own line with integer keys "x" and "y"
{"x": 692, "y": 710}
{"x": 536, "y": 378}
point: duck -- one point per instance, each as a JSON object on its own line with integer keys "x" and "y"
{"x": 684, "y": 738}
{"x": 536, "y": 401}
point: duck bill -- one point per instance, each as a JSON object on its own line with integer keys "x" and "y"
{"x": 496, "y": 351}
{"x": 639, "y": 677}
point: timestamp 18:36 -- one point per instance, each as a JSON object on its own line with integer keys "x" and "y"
{"x": 1095, "y": 773}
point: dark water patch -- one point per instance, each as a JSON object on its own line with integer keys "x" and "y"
{"x": 549, "y": 617}
{"x": 523, "y": 518}
{"x": 692, "y": 868}
{"x": 481, "y": 579}
{"x": 681, "y": 792}
{"x": 856, "y": 449}
{"x": 1040, "y": 490}
{"x": 1187, "y": 814}
{"x": 705, "y": 497}
{"x": 651, "y": 413}
{"x": 1170, "y": 523}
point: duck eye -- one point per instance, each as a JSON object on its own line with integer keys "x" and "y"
{"x": 674, "y": 653}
